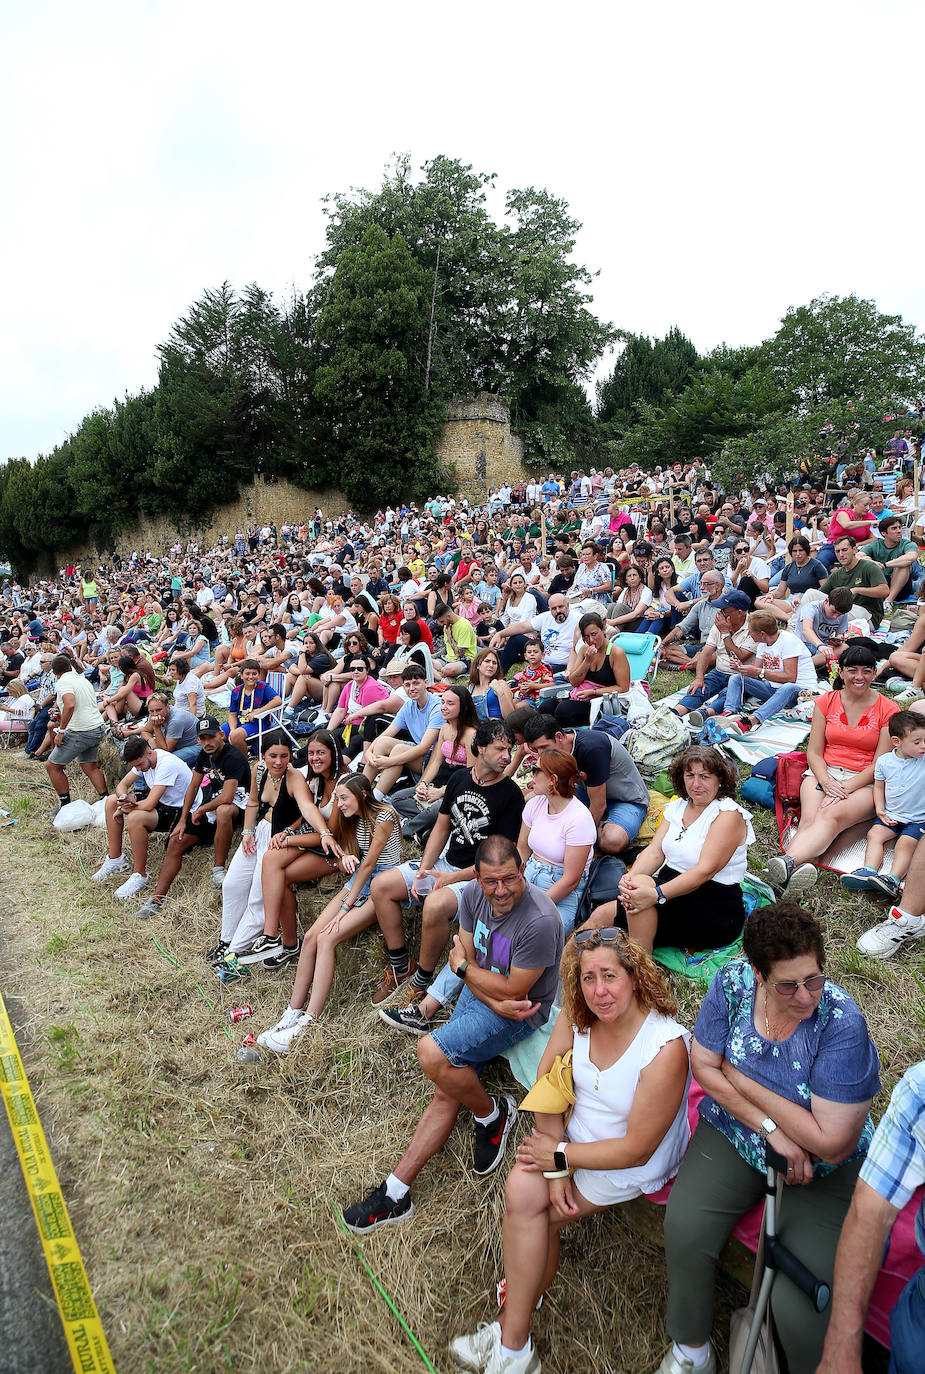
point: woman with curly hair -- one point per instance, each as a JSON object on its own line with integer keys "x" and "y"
{"x": 685, "y": 887}
{"x": 626, "y": 1134}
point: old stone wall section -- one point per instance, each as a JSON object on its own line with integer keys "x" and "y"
{"x": 477, "y": 444}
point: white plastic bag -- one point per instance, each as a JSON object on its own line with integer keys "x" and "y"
{"x": 77, "y": 815}
{"x": 637, "y": 706}
{"x": 98, "y": 811}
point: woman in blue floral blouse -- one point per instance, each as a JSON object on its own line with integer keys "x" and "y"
{"x": 782, "y": 1055}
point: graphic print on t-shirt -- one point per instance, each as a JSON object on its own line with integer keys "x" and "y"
{"x": 493, "y": 950}
{"x": 470, "y": 818}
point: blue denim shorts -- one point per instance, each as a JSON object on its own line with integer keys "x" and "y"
{"x": 409, "y": 869}
{"x": 361, "y": 896}
{"x": 475, "y": 1034}
{"x": 912, "y": 830}
{"x": 628, "y": 814}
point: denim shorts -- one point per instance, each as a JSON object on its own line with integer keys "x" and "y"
{"x": 362, "y": 895}
{"x": 475, "y": 1034}
{"x": 628, "y": 814}
{"x": 81, "y": 746}
{"x": 912, "y": 830}
{"x": 542, "y": 875}
{"x": 409, "y": 870}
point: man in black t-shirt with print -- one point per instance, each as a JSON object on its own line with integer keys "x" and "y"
{"x": 213, "y": 805}
{"x": 478, "y": 802}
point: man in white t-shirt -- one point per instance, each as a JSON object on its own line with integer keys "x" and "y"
{"x": 167, "y": 777}
{"x": 555, "y": 627}
{"x": 782, "y": 668}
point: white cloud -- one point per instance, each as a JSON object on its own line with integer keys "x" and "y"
{"x": 727, "y": 161}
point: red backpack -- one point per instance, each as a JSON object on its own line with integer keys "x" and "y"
{"x": 790, "y": 771}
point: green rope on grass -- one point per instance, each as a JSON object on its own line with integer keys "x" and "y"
{"x": 80, "y": 862}
{"x": 176, "y": 963}
{"x": 378, "y": 1286}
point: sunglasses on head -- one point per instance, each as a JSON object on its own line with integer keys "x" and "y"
{"x": 605, "y": 935}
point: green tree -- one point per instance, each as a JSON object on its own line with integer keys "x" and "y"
{"x": 369, "y": 382}
{"x": 646, "y": 371}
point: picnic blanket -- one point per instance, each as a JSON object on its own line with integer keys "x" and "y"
{"x": 779, "y": 735}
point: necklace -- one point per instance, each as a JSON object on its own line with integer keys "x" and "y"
{"x": 767, "y": 1025}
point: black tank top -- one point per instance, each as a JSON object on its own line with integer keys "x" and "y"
{"x": 284, "y": 811}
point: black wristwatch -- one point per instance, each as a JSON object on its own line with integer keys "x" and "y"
{"x": 460, "y": 970}
{"x": 560, "y": 1159}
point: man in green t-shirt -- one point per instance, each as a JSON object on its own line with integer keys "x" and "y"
{"x": 459, "y": 638}
{"x": 895, "y": 555}
{"x": 866, "y": 579}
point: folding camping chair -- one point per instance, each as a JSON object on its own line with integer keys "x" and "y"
{"x": 272, "y": 719}
{"x": 643, "y": 653}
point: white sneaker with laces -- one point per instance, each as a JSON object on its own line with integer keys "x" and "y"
{"x": 471, "y": 1352}
{"x": 110, "y": 867}
{"x": 882, "y": 941}
{"x": 280, "y": 1038}
{"x": 289, "y": 1018}
{"x": 131, "y": 886}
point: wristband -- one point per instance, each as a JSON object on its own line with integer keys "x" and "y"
{"x": 248, "y": 832}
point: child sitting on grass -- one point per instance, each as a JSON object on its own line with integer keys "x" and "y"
{"x": 534, "y": 677}
{"x": 899, "y": 797}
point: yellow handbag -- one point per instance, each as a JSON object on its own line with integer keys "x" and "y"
{"x": 553, "y": 1093}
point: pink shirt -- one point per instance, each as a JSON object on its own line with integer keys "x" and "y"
{"x": 371, "y": 690}
{"x": 549, "y": 835}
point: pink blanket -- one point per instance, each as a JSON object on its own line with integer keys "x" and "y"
{"x": 903, "y": 1257}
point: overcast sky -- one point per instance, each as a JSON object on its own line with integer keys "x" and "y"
{"x": 726, "y": 160}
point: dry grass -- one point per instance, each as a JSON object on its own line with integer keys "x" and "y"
{"x": 202, "y": 1191}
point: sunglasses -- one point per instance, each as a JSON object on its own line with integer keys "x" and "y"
{"x": 789, "y": 987}
{"x": 359, "y": 668}
{"x": 606, "y": 935}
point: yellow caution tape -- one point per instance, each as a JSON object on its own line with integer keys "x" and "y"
{"x": 82, "y": 1326}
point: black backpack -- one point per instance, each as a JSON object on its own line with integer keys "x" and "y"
{"x": 603, "y": 881}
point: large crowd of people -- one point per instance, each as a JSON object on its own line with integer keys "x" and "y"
{"x": 320, "y": 700}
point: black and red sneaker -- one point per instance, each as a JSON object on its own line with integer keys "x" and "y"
{"x": 488, "y": 1145}
{"x": 377, "y": 1209}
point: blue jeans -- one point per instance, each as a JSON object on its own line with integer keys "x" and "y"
{"x": 907, "y": 1327}
{"x": 37, "y": 730}
{"x": 189, "y": 753}
{"x": 776, "y": 697}
{"x": 475, "y": 1034}
{"x": 543, "y": 875}
{"x": 714, "y": 682}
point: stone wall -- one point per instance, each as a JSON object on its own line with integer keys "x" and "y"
{"x": 259, "y": 503}
{"x": 478, "y": 444}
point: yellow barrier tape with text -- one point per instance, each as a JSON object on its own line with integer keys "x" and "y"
{"x": 79, "y": 1316}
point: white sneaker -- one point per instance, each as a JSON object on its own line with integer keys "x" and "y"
{"x": 132, "y": 885}
{"x": 109, "y": 867}
{"x": 883, "y": 940}
{"x": 674, "y": 1364}
{"x": 289, "y": 1018}
{"x": 471, "y": 1352}
{"x": 218, "y": 875}
{"x": 280, "y": 1038}
{"x": 910, "y": 694}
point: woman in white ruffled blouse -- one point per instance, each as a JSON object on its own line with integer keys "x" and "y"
{"x": 685, "y": 887}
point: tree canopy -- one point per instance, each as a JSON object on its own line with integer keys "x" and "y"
{"x": 419, "y": 295}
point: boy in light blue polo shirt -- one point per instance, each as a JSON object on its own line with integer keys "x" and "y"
{"x": 420, "y": 719}
{"x": 899, "y": 797}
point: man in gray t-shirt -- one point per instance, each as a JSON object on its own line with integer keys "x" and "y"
{"x": 506, "y": 957}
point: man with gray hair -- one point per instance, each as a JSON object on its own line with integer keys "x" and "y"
{"x": 689, "y": 636}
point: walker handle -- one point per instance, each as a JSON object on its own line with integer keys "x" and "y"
{"x": 779, "y": 1257}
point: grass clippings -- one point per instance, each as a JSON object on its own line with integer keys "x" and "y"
{"x": 201, "y": 1190}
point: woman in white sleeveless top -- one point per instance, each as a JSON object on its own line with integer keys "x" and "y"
{"x": 626, "y": 1135}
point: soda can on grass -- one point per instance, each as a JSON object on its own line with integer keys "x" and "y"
{"x": 249, "y": 1039}
{"x": 240, "y": 1013}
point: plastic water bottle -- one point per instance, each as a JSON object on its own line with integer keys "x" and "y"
{"x": 247, "y": 1054}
